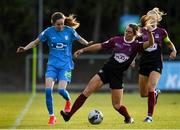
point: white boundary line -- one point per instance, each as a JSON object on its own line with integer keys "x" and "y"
{"x": 23, "y": 112}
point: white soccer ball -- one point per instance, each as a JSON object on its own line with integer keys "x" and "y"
{"x": 95, "y": 117}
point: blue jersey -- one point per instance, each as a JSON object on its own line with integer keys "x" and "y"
{"x": 60, "y": 46}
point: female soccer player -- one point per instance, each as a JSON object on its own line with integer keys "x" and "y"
{"x": 125, "y": 49}
{"x": 59, "y": 38}
{"x": 151, "y": 61}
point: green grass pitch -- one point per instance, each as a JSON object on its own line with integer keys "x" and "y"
{"x": 167, "y": 112}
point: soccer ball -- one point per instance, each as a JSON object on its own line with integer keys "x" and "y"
{"x": 95, "y": 117}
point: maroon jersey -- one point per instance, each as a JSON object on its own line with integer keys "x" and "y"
{"x": 123, "y": 52}
{"x": 153, "y": 55}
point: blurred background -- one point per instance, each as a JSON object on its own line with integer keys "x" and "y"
{"x": 21, "y": 21}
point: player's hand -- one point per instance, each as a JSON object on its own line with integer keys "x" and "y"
{"x": 172, "y": 55}
{"x": 21, "y": 49}
{"x": 77, "y": 53}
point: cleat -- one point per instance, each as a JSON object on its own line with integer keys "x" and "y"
{"x": 129, "y": 121}
{"x": 157, "y": 92}
{"x": 67, "y": 107}
{"x": 52, "y": 120}
{"x": 148, "y": 119}
{"x": 65, "y": 116}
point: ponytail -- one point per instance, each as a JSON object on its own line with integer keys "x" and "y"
{"x": 71, "y": 21}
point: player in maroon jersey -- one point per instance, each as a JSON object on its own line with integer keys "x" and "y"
{"x": 125, "y": 49}
{"x": 150, "y": 66}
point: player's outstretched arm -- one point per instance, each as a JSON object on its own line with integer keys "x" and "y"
{"x": 29, "y": 46}
{"x": 92, "y": 48}
{"x": 84, "y": 42}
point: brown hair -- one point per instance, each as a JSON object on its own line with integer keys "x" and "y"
{"x": 69, "y": 21}
{"x": 135, "y": 29}
{"x": 145, "y": 21}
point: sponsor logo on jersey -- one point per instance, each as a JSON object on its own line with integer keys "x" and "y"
{"x": 58, "y": 45}
{"x": 121, "y": 57}
{"x": 154, "y": 47}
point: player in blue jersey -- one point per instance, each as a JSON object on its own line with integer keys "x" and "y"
{"x": 124, "y": 49}
{"x": 59, "y": 38}
{"x": 150, "y": 65}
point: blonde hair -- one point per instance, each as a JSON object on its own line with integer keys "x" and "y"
{"x": 69, "y": 21}
{"x": 157, "y": 12}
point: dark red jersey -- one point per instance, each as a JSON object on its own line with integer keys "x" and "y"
{"x": 123, "y": 51}
{"x": 153, "y": 55}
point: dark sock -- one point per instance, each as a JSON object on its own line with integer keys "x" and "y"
{"x": 151, "y": 103}
{"x": 123, "y": 111}
{"x": 77, "y": 104}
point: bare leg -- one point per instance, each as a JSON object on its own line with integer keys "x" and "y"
{"x": 117, "y": 95}
{"x": 94, "y": 84}
{"x": 143, "y": 85}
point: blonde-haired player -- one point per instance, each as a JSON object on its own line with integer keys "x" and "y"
{"x": 150, "y": 66}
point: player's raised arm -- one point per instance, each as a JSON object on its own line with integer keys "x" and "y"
{"x": 92, "y": 48}
{"x": 150, "y": 41}
{"x": 146, "y": 22}
{"x": 29, "y": 46}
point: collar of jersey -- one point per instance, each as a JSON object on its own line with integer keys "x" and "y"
{"x": 129, "y": 41}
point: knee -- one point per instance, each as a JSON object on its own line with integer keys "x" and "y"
{"x": 152, "y": 84}
{"x": 151, "y": 87}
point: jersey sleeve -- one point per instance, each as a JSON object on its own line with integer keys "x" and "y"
{"x": 166, "y": 39}
{"x": 75, "y": 35}
{"x": 43, "y": 36}
{"x": 108, "y": 44}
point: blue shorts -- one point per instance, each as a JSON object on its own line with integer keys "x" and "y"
{"x": 58, "y": 74}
